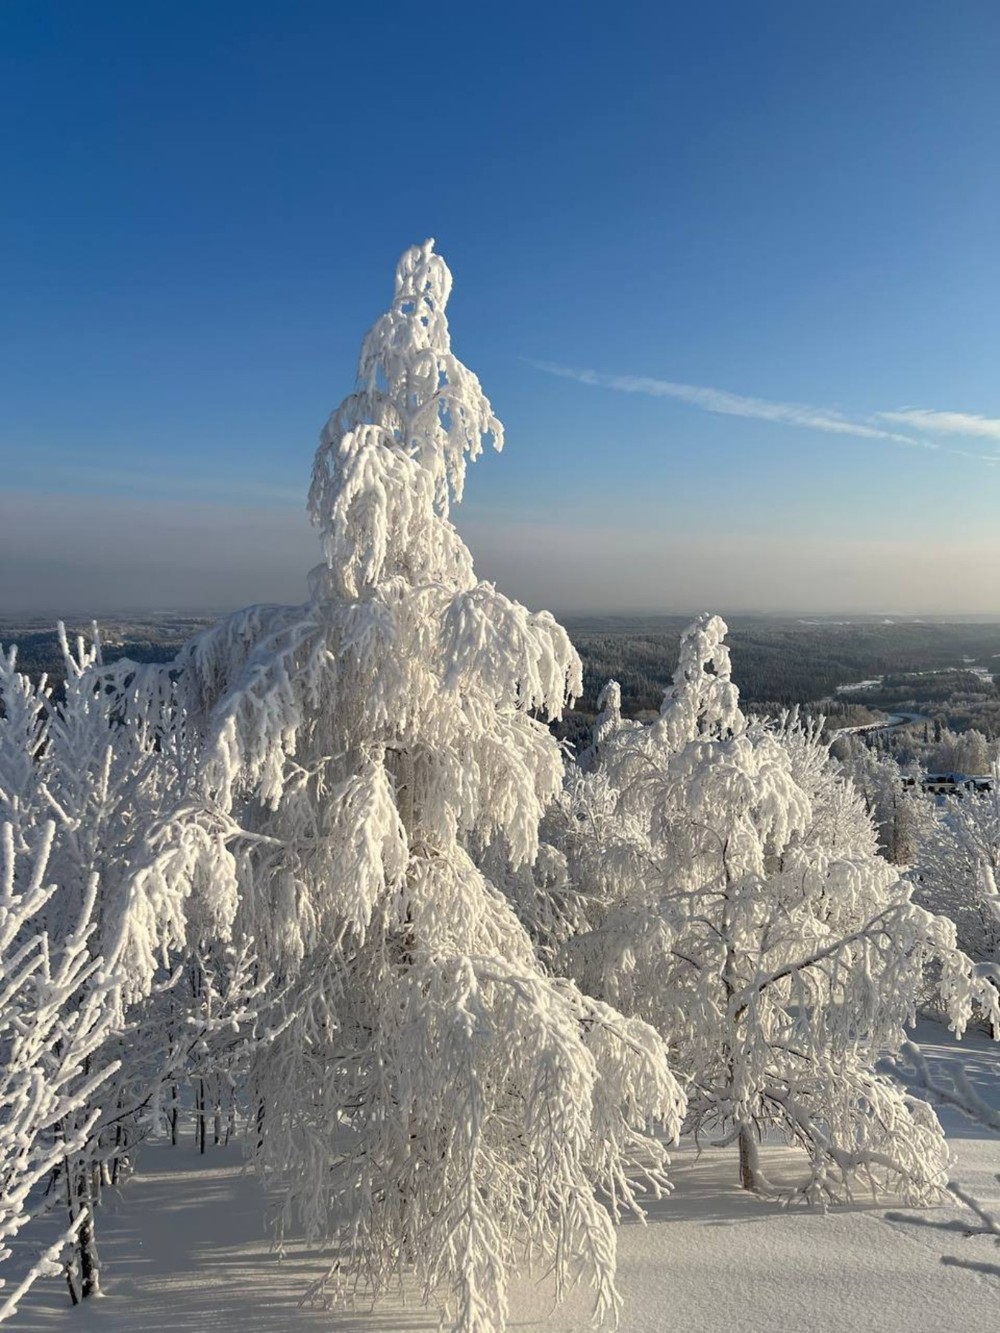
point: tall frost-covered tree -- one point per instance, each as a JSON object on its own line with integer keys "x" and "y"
{"x": 435, "y": 1101}
{"x": 751, "y": 921}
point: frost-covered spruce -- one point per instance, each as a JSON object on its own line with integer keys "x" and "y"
{"x": 747, "y": 915}
{"x": 436, "y": 1102}
{"x": 608, "y": 723}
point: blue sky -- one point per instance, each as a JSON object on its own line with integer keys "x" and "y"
{"x": 795, "y": 205}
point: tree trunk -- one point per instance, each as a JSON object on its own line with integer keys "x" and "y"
{"x": 260, "y": 1125}
{"x": 84, "y": 1270}
{"x": 90, "y": 1268}
{"x": 747, "y": 1154}
{"x": 201, "y": 1115}
{"x": 73, "y": 1208}
{"x": 405, "y": 778}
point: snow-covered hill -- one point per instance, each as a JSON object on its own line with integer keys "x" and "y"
{"x": 185, "y": 1250}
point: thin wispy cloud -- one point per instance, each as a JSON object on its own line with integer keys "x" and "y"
{"x": 945, "y": 423}
{"x": 735, "y": 405}
{"x": 802, "y": 415}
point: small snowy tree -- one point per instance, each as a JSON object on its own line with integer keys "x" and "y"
{"x": 608, "y": 723}
{"x": 957, "y": 871}
{"x": 102, "y": 772}
{"x": 435, "y": 1100}
{"x": 899, "y": 810}
{"x": 24, "y": 709}
{"x": 960, "y": 752}
{"x": 57, "y": 1008}
{"x": 754, "y": 925}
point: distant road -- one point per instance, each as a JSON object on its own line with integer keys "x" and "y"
{"x": 891, "y": 723}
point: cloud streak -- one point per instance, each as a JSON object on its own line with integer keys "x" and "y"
{"x": 945, "y": 423}
{"x": 832, "y": 422}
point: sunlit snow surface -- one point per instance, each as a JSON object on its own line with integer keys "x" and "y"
{"x": 184, "y": 1250}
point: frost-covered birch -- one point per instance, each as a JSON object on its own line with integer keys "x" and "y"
{"x": 749, "y": 918}
{"x": 102, "y": 773}
{"x": 57, "y": 1008}
{"x": 436, "y": 1102}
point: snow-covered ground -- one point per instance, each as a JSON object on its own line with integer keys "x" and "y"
{"x": 185, "y": 1250}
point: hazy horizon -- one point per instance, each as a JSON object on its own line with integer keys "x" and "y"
{"x": 108, "y": 554}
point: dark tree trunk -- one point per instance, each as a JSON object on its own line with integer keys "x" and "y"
{"x": 747, "y": 1179}
{"x": 83, "y": 1271}
{"x": 260, "y": 1125}
{"x": 202, "y": 1115}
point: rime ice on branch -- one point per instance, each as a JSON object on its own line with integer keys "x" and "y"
{"x": 435, "y": 1100}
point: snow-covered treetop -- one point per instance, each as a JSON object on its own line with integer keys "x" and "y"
{"x": 393, "y": 454}
{"x": 405, "y": 692}
{"x": 702, "y": 764}
{"x": 703, "y": 699}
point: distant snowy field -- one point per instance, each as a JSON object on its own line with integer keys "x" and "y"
{"x": 185, "y": 1250}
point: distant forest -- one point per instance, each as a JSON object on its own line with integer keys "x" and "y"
{"x": 779, "y": 662}
{"x": 152, "y": 638}
{"x": 926, "y": 666}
